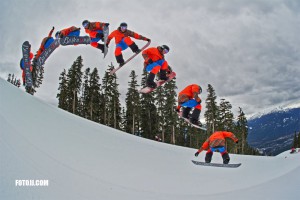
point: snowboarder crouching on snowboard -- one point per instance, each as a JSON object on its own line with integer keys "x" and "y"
{"x": 155, "y": 62}
{"x": 46, "y": 42}
{"x": 71, "y": 31}
{"x": 95, "y": 31}
{"x": 22, "y": 66}
{"x": 123, "y": 41}
{"x": 216, "y": 142}
{"x": 188, "y": 98}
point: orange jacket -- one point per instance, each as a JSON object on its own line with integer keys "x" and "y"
{"x": 218, "y": 139}
{"x": 42, "y": 47}
{"x": 190, "y": 92}
{"x": 119, "y": 35}
{"x": 67, "y": 31}
{"x": 153, "y": 53}
{"x": 93, "y": 28}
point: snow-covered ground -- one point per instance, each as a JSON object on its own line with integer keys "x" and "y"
{"x": 85, "y": 160}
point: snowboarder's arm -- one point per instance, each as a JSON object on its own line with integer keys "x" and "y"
{"x": 231, "y": 136}
{"x": 50, "y": 33}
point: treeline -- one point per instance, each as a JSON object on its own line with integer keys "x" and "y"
{"x": 150, "y": 115}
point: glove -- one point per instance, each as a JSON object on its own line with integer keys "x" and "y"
{"x": 106, "y": 24}
{"x": 52, "y": 27}
{"x": 196, "y": 154}
{"x": 177, "y": 109}
{"x": 237, "y": 142}
{"x": 150, "y": 61}
{"x": 147, "y": 39}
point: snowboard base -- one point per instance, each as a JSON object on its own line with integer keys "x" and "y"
{"x": 74, "y": 40}
{"x": 129, "y": 59}
{"x": 146, "y": 90}
{"x": 188, "y": 121}
{"x": 216, "y": 164}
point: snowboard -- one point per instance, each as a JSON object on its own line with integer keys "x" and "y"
{"x": 105, "y": 33}
{"x": 129, "y": 59}
{"x": 188, "y": 121}
{"x": 146, "y": 90}
{"x": 216, "y": 164}
{"x": 74, "y": 40}
{"x": 27, "y": 63}
{"x": 47, "y": 52}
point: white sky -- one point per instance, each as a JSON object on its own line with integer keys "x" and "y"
{"x": 247, "y": 50}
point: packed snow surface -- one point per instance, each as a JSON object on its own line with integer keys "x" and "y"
{"x": 85, "y": 160}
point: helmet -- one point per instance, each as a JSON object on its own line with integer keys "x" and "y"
{"x": 85, "y": 23}
{"x": 57, "y": 34}
{"x": 123, "y": 24}
{"x": 165, "y": 47}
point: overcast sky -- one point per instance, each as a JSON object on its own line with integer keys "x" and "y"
{"x": 247, "y": 50}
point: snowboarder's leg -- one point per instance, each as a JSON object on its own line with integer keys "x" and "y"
{"x": 186, "y": 112}
{"x": 119, "y": 56}
{"x": 132, "y": 45}
{"x": 208, "y": 156}
{"x": 150, "y": 80}
{"x": 194, "y": 119}
{"x": 101, "y": 47}
{"x": 225, "y": 157}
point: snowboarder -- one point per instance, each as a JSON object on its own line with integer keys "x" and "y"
{"x": 155, "y": 62}
{"x": 22, "y": 66}
{"x": 188, "y": 98}
{"x": 293, "y": 150}
{"x": 71, "y": 31}
{"x": 216, "y": 142}
{"x": 122, "y": 39}
{"x": 95, "y": 31}
{"x": 46, "y": 42}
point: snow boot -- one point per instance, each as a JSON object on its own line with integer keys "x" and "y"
{"x": 194, "y": 119}
{"x": 101, "y": 47}
{"x": 134, "y": 48}
{"x": 120, "y": 60}
{"x": 208, "y": 157}
{"x": 186, "y": 112}
{"x": 150, "y": 81}
{"x": 226, "y": 158}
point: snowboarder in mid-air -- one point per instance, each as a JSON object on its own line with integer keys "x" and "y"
{"x": 71, "y": 31}
{"x": 188, "y": 98}
{"x": 95, "y": 31}
{"x": 216, "y": 142}
{"x": 123, "y": 41}
{"x": 155, "y": 63}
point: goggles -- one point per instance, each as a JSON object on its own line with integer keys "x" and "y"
{"x": 85, "y": 25}
{"x": 165, "y": 51}
{"x": 123, "y": 27}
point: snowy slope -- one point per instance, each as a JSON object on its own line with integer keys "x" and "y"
{"x": 85, "y": 160}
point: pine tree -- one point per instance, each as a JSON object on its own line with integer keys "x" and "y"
{"x": 132, "y": 100}
{"x": 74, "y": 78}
{"x": 168, "y": 110}
{"x": 148, "y": 113}
{"x": 225, "y": 117}
{"x": 242, "y": 131}
{"x": 211, "y": 110}
{"x": 295, "y": 141}
{"x": 91, "y": 95}
{"x": 111, "y": 94}
{"x": 62, "y": 95}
